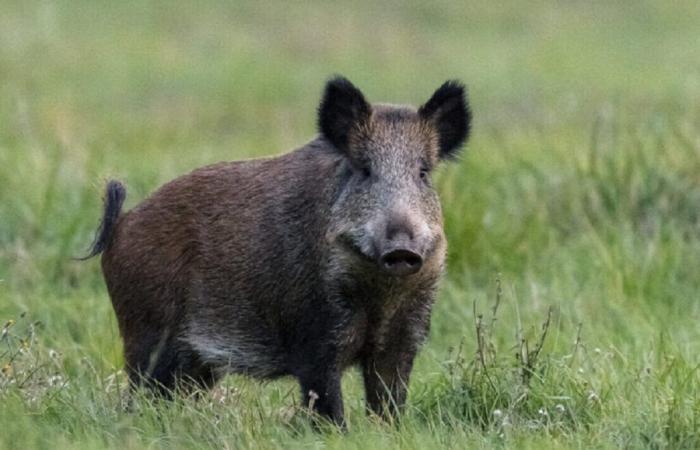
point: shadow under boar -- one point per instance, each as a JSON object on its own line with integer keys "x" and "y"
{"x": 302, "y": 264}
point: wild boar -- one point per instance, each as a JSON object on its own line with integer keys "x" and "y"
{"x": 297, "y": 265}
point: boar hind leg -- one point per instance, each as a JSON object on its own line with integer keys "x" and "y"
{"x": 163, "y": 364}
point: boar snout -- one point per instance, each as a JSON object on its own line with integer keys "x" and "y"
{"x": 400, "y": 249}
{"x": 401, "y": 261}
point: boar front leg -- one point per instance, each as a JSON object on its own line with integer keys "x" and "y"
{"x": 386, "y": 373}
{"x": 320, "y": 387}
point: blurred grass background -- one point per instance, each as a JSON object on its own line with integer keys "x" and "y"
{"x": 579, "y": 191}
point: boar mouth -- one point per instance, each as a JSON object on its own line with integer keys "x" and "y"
{"x": 350, "y": 244}
{"x": 397, "y": 261}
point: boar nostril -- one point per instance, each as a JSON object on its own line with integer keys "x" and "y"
{"x": 401, "y": 262}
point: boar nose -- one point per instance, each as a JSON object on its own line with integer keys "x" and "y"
{"x": 400, "y": 262}
{"x": 400, "y": 256}
{"x": 399, "y": 229}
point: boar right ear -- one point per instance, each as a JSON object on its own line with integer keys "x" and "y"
{"x": 342, "y": 108}
{"x": 448, "y": 111}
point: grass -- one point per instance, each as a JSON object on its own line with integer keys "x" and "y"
{"x": 568, "y": 318}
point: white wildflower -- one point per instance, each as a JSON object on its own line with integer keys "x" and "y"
{"x": 506, "y": 421}
{"x": 55, "y": 380}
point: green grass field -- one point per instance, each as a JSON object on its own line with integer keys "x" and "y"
{"x": 569, "y": 315}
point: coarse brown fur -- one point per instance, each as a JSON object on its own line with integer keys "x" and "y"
{"x": 302, "y": 264}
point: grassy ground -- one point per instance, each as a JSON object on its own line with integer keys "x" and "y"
{"x": 569, "y": 317}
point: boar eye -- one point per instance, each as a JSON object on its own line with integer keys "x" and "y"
{"x": 366, "y": 172}
{"x": 423, "y": 174}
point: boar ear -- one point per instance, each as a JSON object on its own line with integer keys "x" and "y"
{"x": 342, "y": 108}
{"x": 448, "y": 111}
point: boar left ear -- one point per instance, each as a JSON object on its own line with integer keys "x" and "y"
{"x": 342, "y": 108}
{"x": 448, "y": 111}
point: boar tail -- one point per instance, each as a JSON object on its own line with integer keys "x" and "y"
{"x": 115, "y": 193}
